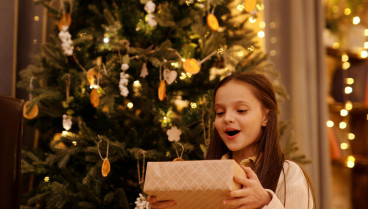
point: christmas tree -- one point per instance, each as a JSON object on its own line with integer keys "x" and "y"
{"x": 121, "y": 82}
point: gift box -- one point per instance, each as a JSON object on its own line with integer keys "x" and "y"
{"x": 199, "y": 184}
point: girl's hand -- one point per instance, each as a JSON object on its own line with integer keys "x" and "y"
{"x": 160, "y": 204}
{"x": 252, "y": 195}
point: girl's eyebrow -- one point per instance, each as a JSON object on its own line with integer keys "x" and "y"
{"x": 236, "y": 102}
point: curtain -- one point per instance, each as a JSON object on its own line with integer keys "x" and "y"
{"x": 294, "y": 43}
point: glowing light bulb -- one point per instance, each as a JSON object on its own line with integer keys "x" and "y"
{"x": 347, "y": 11}
{"x": 349, "y": 81}
{"x": 240, "y": 7}
{"x": 261, "y": 34}
{"x": 348, "y": 105}
{"x": 74, "y": 143}
{"x": 130, "y": 105}
{"x": 106, "y": 40}
{"x": 252, "y": 20}
{"x": 351, "y": 161}
{"x": 348, "y": 90}
{"x": 351, "y": 136}
{"x": 343, "y": 112}
{"x": 183, "y": 76}
{"x": 175, "y": 64}
{"x": 342, "y": 125}
{"x": 365, "y": 32}
{"x": 365, "y": 45}
{"x": 345, "y": 65}
{"x": 36, "y": 18}
{"x": 193, "y": 105}
{"x": 344, "y": 58}
{"x": 137, "y": 84}
{"x": 336, "y": 45}
{"x": 356, "y": 20}
{"x": 262, "y": 24}
{"x": 330, "y": 123}
{"x": 344, "y": 146}
{"x": 364, "y": 54}
{"x": 46, "y": 179}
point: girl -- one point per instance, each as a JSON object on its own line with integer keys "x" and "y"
{"x": 246, "y": 130}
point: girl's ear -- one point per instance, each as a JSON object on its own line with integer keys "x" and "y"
{"x": 265, "y": 118}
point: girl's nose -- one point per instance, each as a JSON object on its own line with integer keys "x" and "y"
{"x": 229, "y": 118}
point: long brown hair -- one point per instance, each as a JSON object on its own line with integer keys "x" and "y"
{"x": 270, "y": 158}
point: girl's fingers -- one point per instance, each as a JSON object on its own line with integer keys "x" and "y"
{"x": 239, "y": 193}
{"x": 250, "y": 173}
{"x": 163, "y": 204}
{"x": 241, "y": 180}
{"x": 234, "y": 201}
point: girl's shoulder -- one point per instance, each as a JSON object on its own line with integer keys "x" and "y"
{"x": 293, "y": 171}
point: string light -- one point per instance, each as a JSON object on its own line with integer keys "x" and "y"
{"x": 137, "y": 84}
{"x": 46, "y": 179}
{"x": 342, "y": 125}
{"x": 261, "y": 34}
{"x": 351, "y": 161}
{"x": 106, "y": 40}
{"x": 348, "y": 105}
{"x": 343, "y": 112}
{"x": 344, "y": 58}
{"x": 336, "y": 45}
{"x": 345, "y": 65}
{"x": 330, "y": 123}
{"x": 183, "y": 76}
{"x": 351, "y": 136}
{"x": 348, "y": 90}
{"x": 347, "y": 11}
{"x": 262, "y": 24}
{"x": 252, "y": 20}
{"x": 356, "y": 20}
{"x": 240, "y": 7}
{"x": 349, "y": 81}
{"x": 364, "y": 54}
{"x": 193, "y": 105}
{"x": 175, "y": 64}
{"x": 365, "y": 32}
{"x": 74, "y": 143}
{"x": 344, "y": 146}
{"x": 130, "y": 105}
{"x": 36, "y": 18}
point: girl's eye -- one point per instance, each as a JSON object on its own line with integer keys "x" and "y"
{"x": 242, "y": 111}
{"x": 219, "y": 113}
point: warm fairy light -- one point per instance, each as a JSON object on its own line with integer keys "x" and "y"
{"x": 240, "y": 53}
{"x": 130, "y": 105}
{"x": 46, "y": 179}
{"x": 36, "y": 18}
{"x": 193, "y": 105}
{"x": 344, "y": 146}
{"x": 349, "y": 81}
{"x": 183, "y": 59}
{"x": 351, "y": 136}
{"x": 262, "y": 24}
{"x": 188, "y": 75}
{"x": 365, "y": 32}
{"x": 183, "y": 76}
{"x": 220, "y": 50}
{"x": 252, "y": 20}
{"x": 93, "y": 86}
{"x": 273, "y": 40}
{"x": 342, "y": 125}
{"x": 74, "y": 143}
{"x": 351, "y": 161}
{"x": 356, "y": 20}
{"x": 363, "y": 54}
{"x": 240, "y": 7}
{"x": 260, "y": 6}
{"x": 66, "y": 133}
{"x": 330, "y": 123}
{"x": 365, "y": 45}
{"x": 348, "y": 90}
{"x": 273, "y": 53}
{"x": 348, "y": 105}
{"x": 347, "y": 11}
{"x": 137, "y": 84}
{"x": 175, "y": 64}
{"x": 336, "y": 45}
{"x": 335, "y": 9}
{"x": 344, "y": 58}
{"x": 261, "y": 34}
{"x": 251, "y": 48}
{"x": 345, "y": 65}
{"x": 106, "y": 40}
{"x": 343, "y": 112}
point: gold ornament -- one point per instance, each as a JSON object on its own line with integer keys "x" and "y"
{"x": 191, "y": 66}
{"x": 30, "y": 113}
{"x": 59, "y": 145}
{"x": 250, "y": 5}
{"x": 95, "y": 98}
{"x": 65, "y": 20}
{"x": 162, "y": 90}
{"x": 105, "y": 169}
{"x": 212, "y": 22}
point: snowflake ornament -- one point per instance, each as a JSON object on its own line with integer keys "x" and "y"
{"x": 174, "y": 134}
{"x": 151, "y": 20}
{"x": 123, "y": 84}
{"x": 124, "y": 67}
{"x": 141, "y": 202}
{"x": 67, "y": 122}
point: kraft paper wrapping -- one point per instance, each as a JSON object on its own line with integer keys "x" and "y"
{"x": 193, "y": 184}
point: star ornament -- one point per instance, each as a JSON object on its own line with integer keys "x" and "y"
{"x": 174, "y": 134}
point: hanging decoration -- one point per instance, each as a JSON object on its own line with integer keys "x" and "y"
{"x": 95, "y": 98}
{"x": 170, "y": 76}
{"x": 212, "y": 22}
{"x": 150, "y": 8}
{"x": 28, "y": 111}
{"x": 191, "y": 66}
{"x": 250, "y": 5}
{"x": 144, "y": 70}
{"x": 173, "y": 134}
{"x": 105, "y": 168}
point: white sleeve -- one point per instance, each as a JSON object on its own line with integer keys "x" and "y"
{"x": 298, "y": 193}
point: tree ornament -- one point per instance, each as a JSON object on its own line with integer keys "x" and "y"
{"x": 123, "y": 84}
{"x": 65, "y": 20}
{"x": 105, "y": 168}
{"x": 141, "y": 202}
{"x": 212, "y": 22}
{"x": 92, "y": 76}
{"x": 150, "y": 7}
{"x": 162, "y": 90}
{"x": 250, "y": 5}
{"x": 67, "y": 122}
{"x": 179, "y": 157}
{"x": 66, "y": 41}
{"x": 30, "y": 113}
{"x": 170, "y": 76}
{"x": 191, "y": 66}
{"x": 151, "y": 20}
{"x": 57, "y": 145}
{"x": 173, "y": 134}
{"x": 144, "y": 70}
{"x": 124, "y": 67}
{"x": 95, "y": 98}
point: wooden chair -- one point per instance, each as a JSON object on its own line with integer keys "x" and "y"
{"x": 11, "y": 132}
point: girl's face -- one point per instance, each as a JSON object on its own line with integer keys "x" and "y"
{"x": 239, "y": 117}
